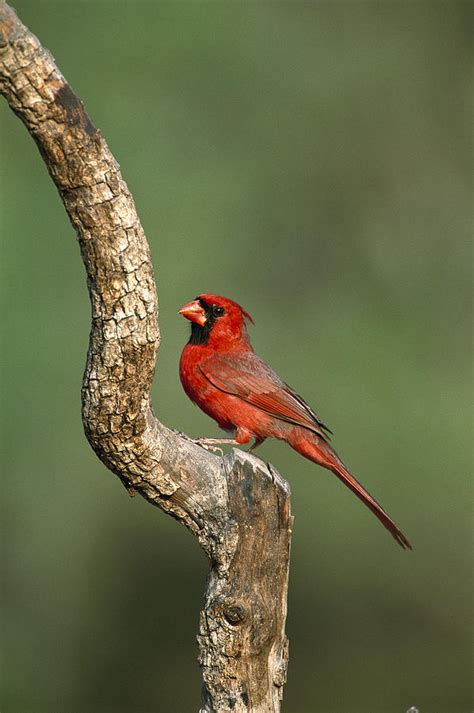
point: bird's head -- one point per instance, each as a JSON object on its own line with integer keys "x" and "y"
{"x": 217, "y": 321}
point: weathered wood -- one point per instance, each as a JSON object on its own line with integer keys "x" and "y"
{"x": 245, "y": 610}
{"x": 237, "y": 506}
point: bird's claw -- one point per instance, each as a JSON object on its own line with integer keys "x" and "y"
{"x": 204, "y": 443}
{"x": 209, "y": 444}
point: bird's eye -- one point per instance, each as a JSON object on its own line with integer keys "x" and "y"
{"x": 217, "y": 311}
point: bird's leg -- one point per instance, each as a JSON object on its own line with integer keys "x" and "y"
{"x": 214, "y": 441}
{"x": 207, "y": 443}
{"x": 241, "y": 437}
{"x": 210, "y": 444}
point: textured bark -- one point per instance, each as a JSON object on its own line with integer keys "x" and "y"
{"x": 237, "y": 506}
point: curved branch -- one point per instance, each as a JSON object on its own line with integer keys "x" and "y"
{"x": 236, "y": 505}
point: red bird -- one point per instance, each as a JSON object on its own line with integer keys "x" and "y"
{"x": 221, "y": 373}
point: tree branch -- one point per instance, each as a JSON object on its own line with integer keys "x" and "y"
{"x": 236, "y": 506}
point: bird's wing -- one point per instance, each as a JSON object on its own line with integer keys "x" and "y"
{"x": 245, "y": 375}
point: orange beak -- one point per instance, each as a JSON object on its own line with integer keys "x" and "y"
{"x": 194, "y": 312}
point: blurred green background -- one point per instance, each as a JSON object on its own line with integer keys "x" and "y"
{"x": 313, "y": 162}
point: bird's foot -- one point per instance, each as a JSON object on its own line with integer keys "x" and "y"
{"x": 210, "y": 444}
{"x": 213, "y": 444}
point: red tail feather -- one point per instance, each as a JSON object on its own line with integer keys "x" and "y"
{"x": 320, "y": 452}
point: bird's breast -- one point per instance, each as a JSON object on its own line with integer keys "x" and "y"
{"x": 222, "y": 407}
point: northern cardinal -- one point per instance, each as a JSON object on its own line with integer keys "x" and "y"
{"x": 221, "y": 373}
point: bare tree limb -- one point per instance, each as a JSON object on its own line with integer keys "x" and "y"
{"x": 237, "y": 506}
